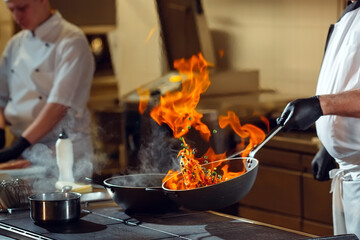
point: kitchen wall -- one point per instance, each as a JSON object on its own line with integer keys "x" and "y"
{"x": 6, "y": 27}
{"x": 138, "y": 48}
{"x": 283, "y": 39}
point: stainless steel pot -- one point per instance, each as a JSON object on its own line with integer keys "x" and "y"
{"x": 55, "y": 207}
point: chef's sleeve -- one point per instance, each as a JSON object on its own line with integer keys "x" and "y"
{"x": 4, "y": 70}
{"x": 73, "y": 74}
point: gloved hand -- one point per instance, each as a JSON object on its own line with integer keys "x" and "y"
{"x": 322, "y": 163}
{"x": 300, "y": 114}
{"x": 15, "y": 150}
{"x": 2, "y": 138}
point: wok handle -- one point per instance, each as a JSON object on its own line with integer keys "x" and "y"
{"x": 91, "y": 180}
{"x": 267, "y": 138}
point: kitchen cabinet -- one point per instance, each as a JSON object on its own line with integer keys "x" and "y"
{"x": 285, "y": 193}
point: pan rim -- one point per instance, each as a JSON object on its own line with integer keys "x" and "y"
{"x": 110, "y": 185}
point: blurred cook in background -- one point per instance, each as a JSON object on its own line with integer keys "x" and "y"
{"x": 45, "y": 78}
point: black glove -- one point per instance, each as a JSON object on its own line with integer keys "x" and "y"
{"x": 15, "y": 150}
{"x": 2, "y": 138}
{"x": 322, "y": 163}
{"x": 300, "y": 114}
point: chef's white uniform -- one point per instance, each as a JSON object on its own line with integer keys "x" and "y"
{"x": 340, "y": 72}
{"x": 53, "y": 64}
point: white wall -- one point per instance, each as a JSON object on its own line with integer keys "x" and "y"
{"x": 138, "y": 61}
{"x": 6, "y": 28}
{"x": 284, "y": 39}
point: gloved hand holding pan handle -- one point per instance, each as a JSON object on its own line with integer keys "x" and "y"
{"x": 300, "y": 114}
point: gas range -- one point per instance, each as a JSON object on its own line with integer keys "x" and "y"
{"x": 105, "y": 220}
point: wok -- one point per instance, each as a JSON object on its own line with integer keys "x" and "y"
{"x": 131, "y": 193}
{"x": 226, "y": 193}
{"x": 220, "y": 195}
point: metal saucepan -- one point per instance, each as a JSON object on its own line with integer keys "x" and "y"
{"x": 55, "y": 207}
{"x": 131, "y": 192}
{"x": 220, "y": 195}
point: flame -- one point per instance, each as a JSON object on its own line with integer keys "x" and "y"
{"x": 248, "y": 131}
{"x": 178, "y": 110}
{"x": 144, "y": 96}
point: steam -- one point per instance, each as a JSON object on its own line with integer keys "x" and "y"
{"x": 159, "y": 149}
{"x": 43, "y": 156}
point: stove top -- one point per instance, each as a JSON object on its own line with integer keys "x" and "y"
{"x": 108, "y": 221}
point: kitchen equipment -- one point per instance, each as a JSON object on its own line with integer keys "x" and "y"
{"x": 14, "y": 193}
{"x": 55, "y": 207}
{"x": 223, "y": 194}
{"x": 130, "y": 192}
{"x": 220, "y": 195}
{"x": 65, "y": 157}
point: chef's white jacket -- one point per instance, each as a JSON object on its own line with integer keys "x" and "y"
{"x": 340, "y": 72}
{"x": 53, "y": 64}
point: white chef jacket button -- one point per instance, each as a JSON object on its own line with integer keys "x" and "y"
{"x": 40, "y": 97}
{"x": 12, "y": 70}
{"x": 47, "y": 45}
{"x": 37, "y": 70}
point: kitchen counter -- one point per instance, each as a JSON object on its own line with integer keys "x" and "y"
{"x": 105, "y": 220}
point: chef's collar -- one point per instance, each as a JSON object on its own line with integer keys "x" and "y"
{"x": 48, "y": 30}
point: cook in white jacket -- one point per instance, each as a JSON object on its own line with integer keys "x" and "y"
{"x": 336, "y": 110}
{"x": 45, "y": 78}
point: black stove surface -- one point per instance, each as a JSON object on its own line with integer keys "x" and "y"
{"x": 113, "y": 223}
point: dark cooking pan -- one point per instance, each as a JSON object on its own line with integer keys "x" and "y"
{"x": 131, "y": 194}
{"x": 220, "y": 195}
{"x": 226, "y": 193}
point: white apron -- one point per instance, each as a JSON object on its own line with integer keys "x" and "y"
{"x": 345, "y": 188}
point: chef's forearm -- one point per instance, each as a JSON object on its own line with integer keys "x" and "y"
{"x": 49, "y": 116}
{"x": 343, "y": 104}
{"x": 2, "y": 119}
